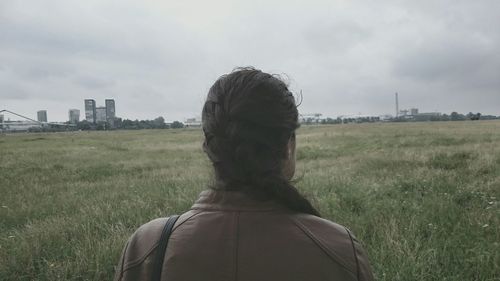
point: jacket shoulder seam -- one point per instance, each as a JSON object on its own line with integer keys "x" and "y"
{"x": 237, "y": 242}
{"x": 354, "y": 252}
{"x": 322, "y": 246}
{"x": 139, "y": 260}
{"x": 120, "y": 276}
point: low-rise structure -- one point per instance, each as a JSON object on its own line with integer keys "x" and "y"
{"x": 311, "y": 118}
{"x": 193, "y": 122}
{"x": 427, "y": 116}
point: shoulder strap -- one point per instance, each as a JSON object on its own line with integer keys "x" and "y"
{"x": 162, "y": 247}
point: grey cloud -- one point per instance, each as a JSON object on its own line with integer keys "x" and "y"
{"x": 11, "y": 91}
{"x": 93, "y": 83}
{"x": 160, "y": 58}
{"x": 335, "y": 37}
{"x": 455, "y": 63}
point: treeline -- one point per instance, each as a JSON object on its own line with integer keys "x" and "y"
{"x": 348, "y": 120}
{"x": 127, "y": 124}
{"x": 159, "y": 123}
{"x": 454, "y": 116}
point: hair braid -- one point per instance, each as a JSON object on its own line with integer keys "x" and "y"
{"x": 248, "y": 118}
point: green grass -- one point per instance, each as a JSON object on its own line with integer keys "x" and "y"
{"x": 422, "y": 197}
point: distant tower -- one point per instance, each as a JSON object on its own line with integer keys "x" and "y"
{"x": 110, "y": 112}
{"x": 42, "y": 115}
{"x": 397, "y": 105}
{"x": 100, "y": 114}
{"x": 90, "y": 113}
{"x": 74, "y": 116}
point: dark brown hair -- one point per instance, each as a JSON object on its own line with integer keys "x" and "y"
{"x": 248, "y": 118}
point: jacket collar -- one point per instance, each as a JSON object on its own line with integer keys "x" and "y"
{"x": 230, "y": 200}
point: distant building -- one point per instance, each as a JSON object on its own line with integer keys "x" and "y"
{"x": 403, "y": 112}
{"x": 437, "y": 114}
{"x": 193, "y": 122}
{"x": 427, "y": 116}
{"x": 19, "y": 126}
{"x": 311, "y": 118}
{"x": 110, "y": 112}
{"x": 42, "y": 115}
{"x": 100, "y": 113}
{"x": 74, "y": 116}
{"x": 414, "y": 111}
{"x": 385, "y": 117}
{"x": 90, "y": 111}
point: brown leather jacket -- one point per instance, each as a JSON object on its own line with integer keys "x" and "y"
{"x": 229, "y": 236}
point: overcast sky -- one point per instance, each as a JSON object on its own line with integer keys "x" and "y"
{"x": 159, "y": 58}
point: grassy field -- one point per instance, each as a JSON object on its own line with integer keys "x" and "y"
{"x": 422, "y": 197}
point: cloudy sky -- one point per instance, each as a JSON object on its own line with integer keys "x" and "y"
{"x": 158, "y": 58}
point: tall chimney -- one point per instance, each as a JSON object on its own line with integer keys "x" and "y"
{"x": 397, "y": 105}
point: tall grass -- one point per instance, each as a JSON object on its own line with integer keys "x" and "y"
{"x": 422, "y": 197}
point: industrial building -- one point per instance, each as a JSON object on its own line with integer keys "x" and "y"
{"x": 74, "y": 116}
{"x": 90, "y": 111}
{"x": 42, "y": 116}
{"x": 414, "y": 114}
{"x": 25, "y": 124}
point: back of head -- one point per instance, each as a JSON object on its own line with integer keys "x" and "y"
{"x": 249, "y": 118}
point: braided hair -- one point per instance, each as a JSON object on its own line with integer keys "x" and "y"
{"x": 248, "y": 119}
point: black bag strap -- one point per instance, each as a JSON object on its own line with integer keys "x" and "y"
{"x": 162, "y": 247}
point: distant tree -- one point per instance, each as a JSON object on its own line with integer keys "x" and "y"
{"x": 83, "y": 125}
{"x": 473, "y": 116}
{"x": 400, "y": 119}
{"x": 177, "y": 125}
{"x": 327, "y": 120}
{"x": 118, "y": 123}
{"x": 101, "y": 126}
{"x": 445, "y": 117}
{"x": 145, "y": 124}
{"x": 159, "y": 123}
{"x": 455, "y": 116}
{"x": 130, "y": 124}
{"x": 489, "y": 117}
